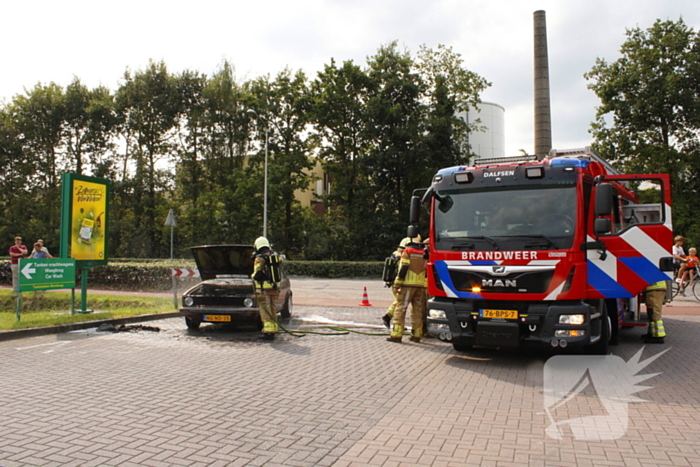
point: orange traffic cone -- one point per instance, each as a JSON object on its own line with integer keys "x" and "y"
{"x": 365, "y": 299}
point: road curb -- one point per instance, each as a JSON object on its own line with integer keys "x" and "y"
{"x": 43, "y": 331}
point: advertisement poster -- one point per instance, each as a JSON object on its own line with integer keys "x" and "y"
{"x": 84, "y": 215}
{"x": 87, "y": 229}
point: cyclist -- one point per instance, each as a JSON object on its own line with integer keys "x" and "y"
{"x": 678, "y": 258}
{"x": 690, "y": 270}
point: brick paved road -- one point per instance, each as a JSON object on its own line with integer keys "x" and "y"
{"x": 220, "y": 398}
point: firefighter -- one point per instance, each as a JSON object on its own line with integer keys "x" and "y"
{"x": 411, "y": 284}
{"x": 265, "y": 289}
{"x": 655, "y": 295}
{"x": 396, "y": 257}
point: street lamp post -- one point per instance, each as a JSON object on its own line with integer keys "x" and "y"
{"x": 267, "y": 138}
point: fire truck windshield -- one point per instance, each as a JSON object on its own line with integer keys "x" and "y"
{"x": 507, "y": 218}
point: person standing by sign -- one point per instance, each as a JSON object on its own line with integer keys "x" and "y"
{"x": 39, "y": 252}
{"x": 17, "y": 251}
{"x": 41, "y": 242}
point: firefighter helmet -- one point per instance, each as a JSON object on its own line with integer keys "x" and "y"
{"x": 261, "y": 242}
{"x": 404, "y": 243}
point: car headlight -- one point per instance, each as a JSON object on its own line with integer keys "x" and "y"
{"x": 188, "y": 301}
{"x": 572, "y": 319}
{"x": 248, "y": 302}
{"x": 438, "y": 314}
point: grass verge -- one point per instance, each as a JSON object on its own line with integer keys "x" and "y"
{"x": 51, "y": 309}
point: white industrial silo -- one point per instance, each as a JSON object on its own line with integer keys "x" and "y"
{"x": 492, "y": 141}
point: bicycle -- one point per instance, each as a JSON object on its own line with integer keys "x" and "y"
{"x": 682, "y": 289}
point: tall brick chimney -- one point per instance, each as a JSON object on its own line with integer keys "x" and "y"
{"x": 543, "y": 116}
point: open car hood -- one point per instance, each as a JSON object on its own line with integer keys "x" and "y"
{"x": 223, "y": 260}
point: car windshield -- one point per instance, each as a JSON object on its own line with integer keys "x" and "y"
{"x": 541, "y": 217}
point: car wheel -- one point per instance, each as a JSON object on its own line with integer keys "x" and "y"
{"x": 462, "y": 347}
{"x": 286, "y": 311}
{"x": 192, "y": 323}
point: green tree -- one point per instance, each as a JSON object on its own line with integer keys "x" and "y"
{"x": 648, "y": 117}
{"x": 283, "y": 106}
{"x": 339, "y": 99}
{"x": 449, "y": 82}
{"x": 38, "y": 117}
{"x": 151, "y": 105}
{"x": 15, "y": 193}
{"x": 89, "y": 122}
{"x": 394, "y": 164}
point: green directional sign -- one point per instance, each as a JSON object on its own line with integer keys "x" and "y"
{"x": 45, "y": 274}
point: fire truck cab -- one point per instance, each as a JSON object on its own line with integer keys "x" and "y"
{"x": 550, "y": 252}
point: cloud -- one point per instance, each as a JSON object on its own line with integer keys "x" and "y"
{"x": 98, "y": 41}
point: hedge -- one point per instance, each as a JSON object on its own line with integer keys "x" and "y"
{"x": 157, "y": 275}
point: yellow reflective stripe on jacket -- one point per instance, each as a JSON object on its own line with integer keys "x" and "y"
{"x": 661, "y": 285}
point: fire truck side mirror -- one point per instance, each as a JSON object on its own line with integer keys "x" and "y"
{"x": 603, "y": 199}
{"x": 412, "y": 231}
{"x": 601, "y": 226}
{"x": 414, "y": 211}
{"x": 666, "y": 263}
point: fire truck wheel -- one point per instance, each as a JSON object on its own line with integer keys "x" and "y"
{"x": 462, "y": 347}
{"x": 601, "y": 347}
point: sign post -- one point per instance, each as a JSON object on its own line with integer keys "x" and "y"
{"x": 172, "y": 223}
{"x": 44, "y": 274}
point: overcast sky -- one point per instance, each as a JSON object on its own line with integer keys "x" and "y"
{"x": 45, "y": 41}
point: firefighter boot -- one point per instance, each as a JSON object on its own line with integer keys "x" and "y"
{"x": 653, "y": 340}
{"x": 387, "y": 320}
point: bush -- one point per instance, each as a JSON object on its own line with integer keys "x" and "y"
{"x": 157, "y": 276}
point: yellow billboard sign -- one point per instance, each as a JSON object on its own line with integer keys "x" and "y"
{"x": 88, "y": 220}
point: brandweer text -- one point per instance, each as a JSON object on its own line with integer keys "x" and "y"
{"x": 498, "y": 255}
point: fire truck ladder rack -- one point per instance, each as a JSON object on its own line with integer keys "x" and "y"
{"x": 504, "y": 160}
{"x": 586, "y": 152}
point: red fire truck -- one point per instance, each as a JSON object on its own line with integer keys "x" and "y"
{"x": 551, "y": 252}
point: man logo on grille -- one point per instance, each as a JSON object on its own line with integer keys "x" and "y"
{"x": 499, "y": 269}
{"x": 614, "y": 381}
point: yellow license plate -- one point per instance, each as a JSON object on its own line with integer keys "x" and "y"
{"x": 500, "y": 314}
{"x": 217, "y": 318}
